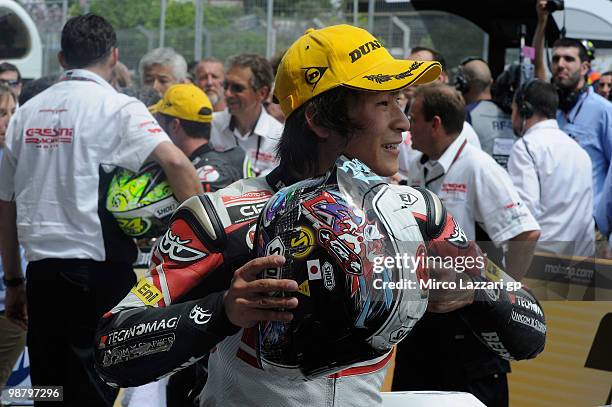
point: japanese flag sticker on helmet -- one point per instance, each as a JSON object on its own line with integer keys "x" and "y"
{"x": 331, "y": 230}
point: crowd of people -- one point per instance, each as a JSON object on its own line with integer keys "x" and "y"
{"x": 226, "y": 136}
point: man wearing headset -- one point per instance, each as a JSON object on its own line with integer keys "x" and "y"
{"x": 544, "y": 161}
{"x": 583, "y": 114}
{"x": 491, "y": 123}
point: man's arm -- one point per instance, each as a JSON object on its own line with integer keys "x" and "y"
{"x": 180, "y": 173}
{"x": 520, "y": 252}
{"x": 538, "y": 39}
{"x": 11, "y": 261}
{"x": 510, "y": 324}
{"x": 525, "y": 178}
{"x": 138, "y": 345}
{"x": 188, "y": 301}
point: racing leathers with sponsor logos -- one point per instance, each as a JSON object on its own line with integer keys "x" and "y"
{"x": 175, "y": 316}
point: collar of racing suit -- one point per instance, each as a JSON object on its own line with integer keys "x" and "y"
{"x": 278, "y": 179}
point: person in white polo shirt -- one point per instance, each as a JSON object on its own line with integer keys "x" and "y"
{"x": 475, "y": 189}
{"x": 479, "y": 194}
{"x": 246, "y": 123}
{"x": 407, "y": 153}
{"x": 52, "y": 172}
{"x": 546, "y": 161}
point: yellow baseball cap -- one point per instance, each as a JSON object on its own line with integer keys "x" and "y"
{"x": 343, "y": 55}
{"x": 185, "y": 101}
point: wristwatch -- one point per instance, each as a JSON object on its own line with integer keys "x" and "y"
{"x": 13, "y": 282}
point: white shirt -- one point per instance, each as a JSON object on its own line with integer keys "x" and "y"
{"x": 474, "y": 189}
{"x": 259, "y": 145}
{"x": 408, "y": 154}
{"x": 553, "y": 176}
{"x": 471, "y": 135}
{"x": 55, "y": 145}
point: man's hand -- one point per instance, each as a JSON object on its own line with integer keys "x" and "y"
{"x": 247, "y": 301}
{"x": 180, "y": 172}
{"x": 541, "y": 11}
{"x": 441, "y": 300}
{"x": 15, "y": 306}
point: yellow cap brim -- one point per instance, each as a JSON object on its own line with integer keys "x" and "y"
{"x": 396, "y": 74}
{"x": 156, "y": 107}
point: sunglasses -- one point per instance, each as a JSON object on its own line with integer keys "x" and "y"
{"x": 12, "y": 83}
{"x": 234, "y": 87}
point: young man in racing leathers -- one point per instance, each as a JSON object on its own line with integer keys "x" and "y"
{"x": 179, "y": 312}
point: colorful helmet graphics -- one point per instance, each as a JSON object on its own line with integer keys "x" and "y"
{"x": 141, "y": 202}
{"x": 335, "y": 232}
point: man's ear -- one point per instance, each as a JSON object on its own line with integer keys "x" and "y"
{"x": 584, "y": 68}
{"x": 62, "y": 59}
{"x": 263, "y": 93}
{"x": 436, "y": 123}
{"x": 114, "y": 57}
{"x": 320, "y": 131}
{"x": 175, "y": 125}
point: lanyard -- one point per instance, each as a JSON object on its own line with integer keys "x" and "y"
{"x": 256, "y": 154}
{"x": 427, "y": 183}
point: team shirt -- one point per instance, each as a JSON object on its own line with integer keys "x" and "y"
{"x": 259, "y": 144}
{"x": 55, "y": 147}
{"x": 407, "y": 153}
{"x": 475, "y": 190}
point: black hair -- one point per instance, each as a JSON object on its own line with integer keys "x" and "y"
{"x": 435, "y": 54}
{"x": 445, "y": 102}
{"x": 36, "y": 86}
{"x": 570, "y": 42}
{"x": 542, "y": 98}
{"x": 192, "y": 129}
{"x": 8, "y": 67}
{"x": 87, "y": 40}
{"x": 298, "y": 146}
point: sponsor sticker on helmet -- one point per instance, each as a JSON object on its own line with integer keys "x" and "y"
{"x": 329, "y": 281}
{"x": 275, "y": 247}
{"x": 134, "y": 226}
{"x": 314, "y": 269}
{"x": 303, "y": 243}
{"x": 304, "y": 288}
{"x": 147, "y": 292}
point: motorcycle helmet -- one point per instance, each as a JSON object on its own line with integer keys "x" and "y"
{"x": 141, "y": 202}
{"x": 336, "y": 232}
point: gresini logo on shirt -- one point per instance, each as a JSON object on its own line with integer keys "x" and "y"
{"x": 199, "y": 315}
{"x": 177, "y": 249}
{"x": 454, "y": 187}
{"x": 45, "y": 138}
